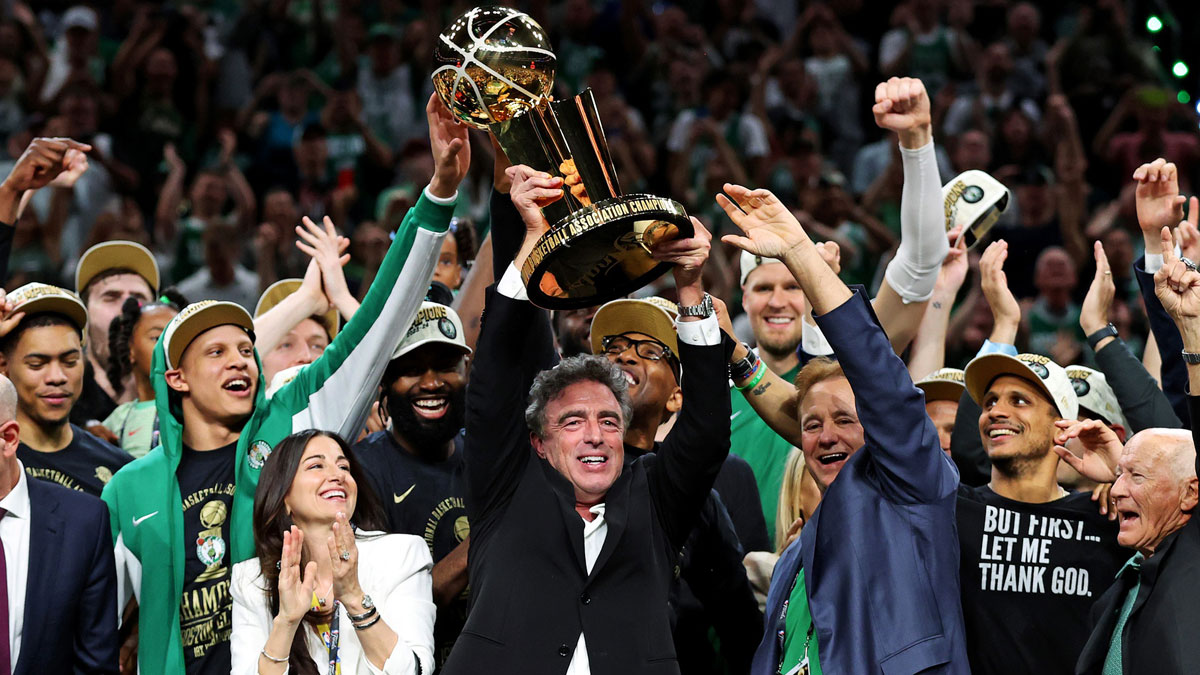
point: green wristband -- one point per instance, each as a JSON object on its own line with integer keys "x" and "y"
{"x": 759, "y": 374}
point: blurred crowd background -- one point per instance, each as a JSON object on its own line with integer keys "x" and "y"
{"x": 217, "y": 124}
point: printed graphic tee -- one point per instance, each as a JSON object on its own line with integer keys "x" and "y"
{"x": 1030, "y": 574}
{"x": 85, "y": 464}
{"x": 426, "y": 499}
{"x": 206, "y": 481}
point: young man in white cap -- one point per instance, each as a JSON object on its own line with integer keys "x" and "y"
{"x": 217, "y": 429}
{"x": 416, "y": 465}
{"x": 943, "y": 388}
{"x": 106, "y": 275}
{"x": 1034, "y": 557}
{"x": 43, "y": 357}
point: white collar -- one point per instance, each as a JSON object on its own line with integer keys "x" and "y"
{"x": 16, "y": 502}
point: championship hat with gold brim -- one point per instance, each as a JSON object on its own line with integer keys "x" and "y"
{"x": 974, "y": 200}
{"x": 944, "y": 384}
{"x": 197, "y": 318}
{"x": 279, "y": 290}
{"x": 35, "y": 298}
{"x": 433, "y": 323}
{"x": 1096, "y": 395}
{"x": 1049, "y": 377}
{"x": 112, "y": 255}
{"x": 653, "y": 316}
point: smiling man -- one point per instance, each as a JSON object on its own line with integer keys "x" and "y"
{"x": 568, "y": 543}
{"x": 416, "y": 465}
{"x": 43, "y": 357}
{"x": 1034, "y": 556}
{"x": 182, "y": 515}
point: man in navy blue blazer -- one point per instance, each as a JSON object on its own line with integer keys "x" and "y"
{"x": 58, "y": 611}
{"x": 872, "y": 585}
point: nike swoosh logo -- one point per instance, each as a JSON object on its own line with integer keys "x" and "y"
{"x": 135, "y": 431}
{"x": 400, "y": 498}
{"x": 734, "y": 415}
{"x": 138, "y": 521}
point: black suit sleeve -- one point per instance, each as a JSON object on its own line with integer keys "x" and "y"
{"x": 691, "y": 455}
{"x": 1170, "y": 344}
{"x": 97, "y": 647}
{"x": 1144, "y": 405}
{"x": 507, "y": 232}
{"x": 739, "y": 493}
{"x": 1194, "y": 406}
{"x": 966, "y": 445}
{"x": 514, "y": 345}
{"x": 6, "y": 242}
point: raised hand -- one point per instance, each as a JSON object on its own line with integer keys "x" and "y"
{"x": 8, "y": 318}
{"x": 343, "y": 554}
{"x": 1006, "y": 312}
{"x": 1099, "y": 449}
{"x": 902, "y": 105}
{"x": 1093, "y": 315}
{"x": 530, "y": 191}
{"x": 43, "y": 160}
{"x": 770, "y": 230}
{"x": 954, "y": 267}
{"x": 1177, "y": 286}
{"x": 831, "y": 253}
{"x": 328, "y": 250}
{"x": 1187, "y": 234}
{"x": 687, "y": 255}
{"x": 77, "y": 165}
{"x": 451, "y": 149}
{"x": 295, "y": 590}
{"x": 1158, "y": 201}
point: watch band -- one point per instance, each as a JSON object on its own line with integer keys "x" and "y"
{"x": 743, "y": 369}
{"x": 703, "y": 310}
{"x": 1190, "y": 357}
{"x": 1106, "y": 332}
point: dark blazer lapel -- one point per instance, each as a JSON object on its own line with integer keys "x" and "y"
{"x": 572, "y": 522}
{"x": 46, "y": 532}
{"x": 616, "y": 513}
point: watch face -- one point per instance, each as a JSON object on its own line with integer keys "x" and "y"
{"x": 366, "y": 602}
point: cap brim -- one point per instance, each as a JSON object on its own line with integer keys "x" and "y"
{"x": 67, "y": 306}
{"x": 116, "y": 255}
{"x": 216, "y": 314}
{"x": 941, "y": 390}
{"x": 633, "y": 316}
{"x": 983, "y": 370}
{"x": 431, "y": 340}
{"x": 281, "y": 289}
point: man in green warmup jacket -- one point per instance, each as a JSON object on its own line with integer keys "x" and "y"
{"x": 182, "y": 515}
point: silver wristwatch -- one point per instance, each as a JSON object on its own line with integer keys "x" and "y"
{"x": 702, "y": 310}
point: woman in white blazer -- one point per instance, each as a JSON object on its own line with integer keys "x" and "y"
{"x": 328, "y": 592}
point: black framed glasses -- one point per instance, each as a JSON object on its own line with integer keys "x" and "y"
{"x": 651, "y": 350}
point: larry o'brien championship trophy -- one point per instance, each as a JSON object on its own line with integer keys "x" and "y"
{"x": 495, "y": 71}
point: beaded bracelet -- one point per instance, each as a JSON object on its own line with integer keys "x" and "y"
{"x": 759, "y": 373}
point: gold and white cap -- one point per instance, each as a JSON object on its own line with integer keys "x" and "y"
{"x": 116, "y": 255}
{"x": 197, "y": 318}
{"x": 1095, "y": 394}
{"x": 433, "y": 323}
{"x": 653, "y": 316}
{"x": 35, "y": 298}
{"x": 1046, "y": 375}
{"x": 974, "y": 200}
{"x": 944, "y": 384}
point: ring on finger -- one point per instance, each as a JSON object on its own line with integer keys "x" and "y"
{"x": 345, "y": 555}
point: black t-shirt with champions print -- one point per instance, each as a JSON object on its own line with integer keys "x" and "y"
{"x": 86, "y": 464}
{"x": 1030, "y": 574}
{"x": 206, "y": 483}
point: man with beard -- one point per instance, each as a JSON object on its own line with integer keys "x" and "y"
{"x": 416, "y": 466}
{"x": 43, "y": 357}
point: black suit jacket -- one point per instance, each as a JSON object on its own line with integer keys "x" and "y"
{"x": 531, "y": 593}
{"x": 71, "y": 591}
{"x": 1160, "y": 634}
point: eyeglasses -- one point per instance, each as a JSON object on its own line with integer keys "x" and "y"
{"x": 653, "y": 350}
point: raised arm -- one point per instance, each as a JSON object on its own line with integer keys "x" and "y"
{"x": 1178, "y": 289}
{"x": 1144, "y": 405}
{"x": 929, "y": 346}
{"x": 899, "y": 435}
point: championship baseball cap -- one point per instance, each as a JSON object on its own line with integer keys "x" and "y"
{"x": 1095, "y": 395}
{"x": 749, "y": 262}
{"x": 1047, "y": 375}
{"x": 433, "y": 323}
{"x": 197, "y": 318}
{"x": 111, "y": 255}
{"x": 80, "y": 17}
{"x": 279, "y": 290}
{"x": 653, "y": 316}
{"x": 974, "y": 200}
{"x": 37, "y": 298}
{"x": 944, "y": 384}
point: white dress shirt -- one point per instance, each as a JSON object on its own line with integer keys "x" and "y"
{"x": 394, "y": 569}
{"x": 595, "y": 531}
{"x": 14, "y": 533}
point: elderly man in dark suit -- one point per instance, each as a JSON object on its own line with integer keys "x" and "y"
{"x": 1147, "y": 622}
{"x": 572, "y": 552}
{"x": 58, "y": 608}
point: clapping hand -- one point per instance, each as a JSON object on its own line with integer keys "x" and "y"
{"x": 295, "y": 591}
{"x": 1006, "y": 312}
{"x": 328, "y": 250}
{"x": 1100, "y": 448}
{"x": 451, "y": 149}
{"x": 1158, "y": 201}
{"x": 343, "y": 554}
{"x": 1093, "y": 314}
{"x": 769, "y": 228}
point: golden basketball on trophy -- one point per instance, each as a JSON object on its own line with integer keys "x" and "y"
{"x": 495, "y": 70}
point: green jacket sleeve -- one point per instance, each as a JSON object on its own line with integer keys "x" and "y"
{"x": 335, "y": 392}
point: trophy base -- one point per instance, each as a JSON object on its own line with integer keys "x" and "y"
{"x": 602, "y": 252}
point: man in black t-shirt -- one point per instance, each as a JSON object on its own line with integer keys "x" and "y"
{"x": 43, "y": 358}
{"x": 1034, "y": 557}
{"x": 416, "y": 466}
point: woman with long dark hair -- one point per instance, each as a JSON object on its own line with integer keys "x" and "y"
{"x": 328, "y": 592}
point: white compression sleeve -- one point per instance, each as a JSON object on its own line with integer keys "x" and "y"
{"x": 923, "y": 244}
